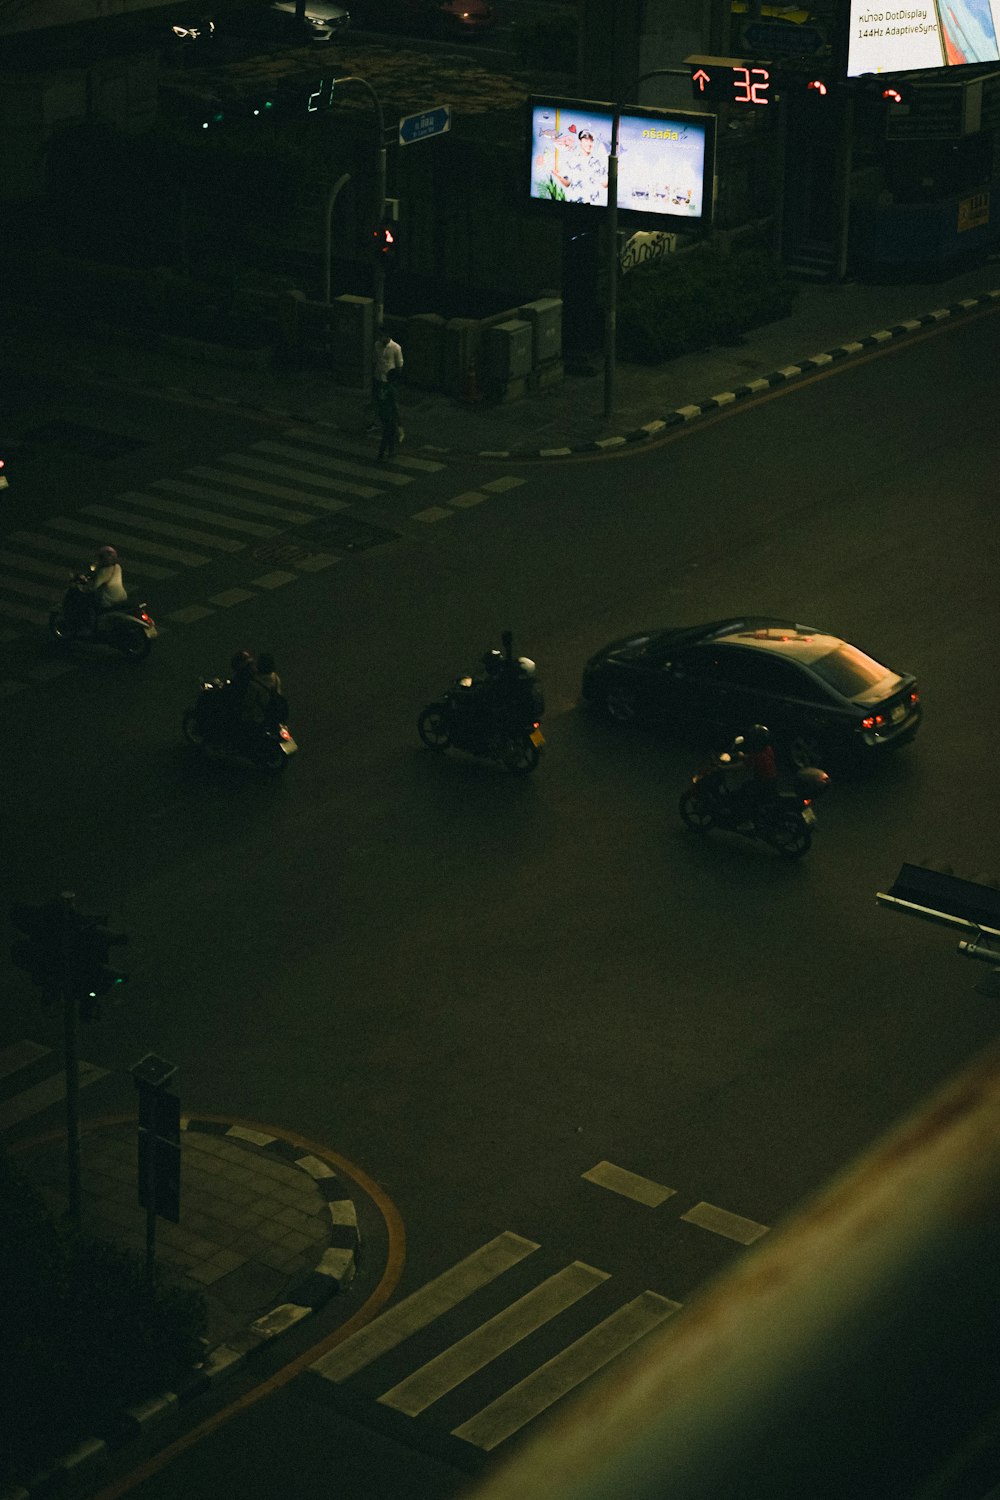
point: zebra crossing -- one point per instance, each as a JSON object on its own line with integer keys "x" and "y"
{"x": 207, "y": 513}
{"x": 32, "y": 1081}
{"x": 505, "y": 1316}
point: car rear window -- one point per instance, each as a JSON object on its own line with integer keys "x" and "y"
{"x": 850, "y": 672}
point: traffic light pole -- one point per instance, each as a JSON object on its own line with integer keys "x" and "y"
{"x": 72, "y": 1058}
{"x": 378, "y": 290}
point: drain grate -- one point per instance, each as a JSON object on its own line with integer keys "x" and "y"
{"x": 95, "y": 442}
{"x": 278, "y": 552}
{"x": 347, "y": 534}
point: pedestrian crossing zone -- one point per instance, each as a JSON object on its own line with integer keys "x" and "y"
{"x": 489, "y": 1345}
{"x": 242, "y": 506}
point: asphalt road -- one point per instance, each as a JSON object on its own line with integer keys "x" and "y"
{"x": 477, "y": 987}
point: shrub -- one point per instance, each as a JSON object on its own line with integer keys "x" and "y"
{"x": 83, "y": 1334}
{"x": 687, "y": 302}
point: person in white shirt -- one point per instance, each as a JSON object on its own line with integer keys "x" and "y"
{"x": 105, "y": 588}
{"x": 387, "y": 361}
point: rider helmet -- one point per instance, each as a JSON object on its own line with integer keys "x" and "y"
{"x": 758, "y": 738}
{"x": 493, "y": 661}
{"x": 107, "y": 557}
{"x": 526, "y": 665}
{"x": 242, "y": 661}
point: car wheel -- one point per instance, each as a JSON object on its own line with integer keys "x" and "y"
{"x": 622, "y": 705}
{"x": 804, "y": 750}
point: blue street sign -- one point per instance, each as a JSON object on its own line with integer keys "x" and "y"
{"x": 771, "y": 38}
{"x": 429, "y": 122}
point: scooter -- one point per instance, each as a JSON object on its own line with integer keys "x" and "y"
{"x": 784, "y": 821}
{"x": 127, "y": 627}
{"x": 211, "y": 725}
{"x": 452, "y": 721}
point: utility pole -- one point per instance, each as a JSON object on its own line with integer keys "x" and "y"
{"x": 378, "y": 293}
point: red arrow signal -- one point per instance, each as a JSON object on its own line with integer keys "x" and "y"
{"x": 701, "y": 78}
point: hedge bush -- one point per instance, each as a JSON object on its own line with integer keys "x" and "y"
{"x": 686, "y": 302}
{"x": 83, "y": 1336}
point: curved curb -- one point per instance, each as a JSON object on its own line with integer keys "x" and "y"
{"x": 332, "y": 1273}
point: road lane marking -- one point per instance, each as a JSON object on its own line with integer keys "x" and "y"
{"x": 565, "y": 1371}
{"x": 198, "y": 513}
{"x": 32, "y": 1101}
{"x": 130, "y": 543}
{"x": 43, "y": 543}
{"x": 628, "y": 1184}
{"x": 720, "y": 1221}
{"x": 421, "y": 1307}
{"x": 134, "y": 517}
{"x": 492, "y": 1338}
{"x": 233, "y": 501}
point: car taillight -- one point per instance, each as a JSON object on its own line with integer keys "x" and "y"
{"x": 914, "y": 698}
{"x": 146, "y": 619}
{"x": 873, "y": 721}
{"x": 283, "y": 733}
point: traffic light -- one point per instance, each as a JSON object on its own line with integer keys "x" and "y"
{"x": 384, "y": 242}
{"x": 40, "y": 953}
{"x": 91, "y": 975}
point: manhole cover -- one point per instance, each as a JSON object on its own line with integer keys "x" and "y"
{"x": 93, "y": 441}
{"x": 347, "y": 534}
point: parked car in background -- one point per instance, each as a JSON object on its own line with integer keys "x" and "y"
{"x": 276, "y": 23}
{"x": 822, "y": 698}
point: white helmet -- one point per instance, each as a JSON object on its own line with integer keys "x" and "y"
{"x": 526, "y": 665}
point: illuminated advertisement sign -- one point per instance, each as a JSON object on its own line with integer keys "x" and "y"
{"x": 665, "y": 161}
{"x": 922, "y": 34}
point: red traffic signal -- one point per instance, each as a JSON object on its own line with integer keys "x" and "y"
{"x": 384, "y": 241}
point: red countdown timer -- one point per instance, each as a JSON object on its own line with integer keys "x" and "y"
{"x": 730, "y": 80}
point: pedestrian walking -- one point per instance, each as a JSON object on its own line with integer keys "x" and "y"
{"x": 388, "y": 415}
{"x": 387, "y": 364}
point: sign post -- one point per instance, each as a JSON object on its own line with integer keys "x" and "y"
{"x": 159, "y": 1149}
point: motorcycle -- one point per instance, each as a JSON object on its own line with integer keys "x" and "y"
{"x": 127, "y": 627}
{"x": 784, "y": 821}
{"x": 212, "y": 725}
{"x": 452, "y": 721}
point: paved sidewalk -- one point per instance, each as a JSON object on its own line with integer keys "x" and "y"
{"x": 571, "y": 415}
{"x": 268, "y": 1232}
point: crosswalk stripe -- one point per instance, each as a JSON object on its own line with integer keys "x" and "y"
{"x": 64, "y": 549}
{"x": 125, "y": 540}
{"x": 424, "y": 1305}
{"x": 32, "y": 1101}
{"x": 346, "y": 487}
{"x": 12, "y": 611}
{"x": 399, "y": 461}
{"x": 492, "y": 1338}
{"x": 167, "y": 528}
{"x": 22, "y": 564}
{"x": 33, "y": 590}
{"x": 232, "y": 502}
{"x": 198, "y": 513}
{"x": 569, "y": 1368}
{"x": 347, "y": 445}
{"x": 19, "y": 1055}
{"x": 364, "y": 471}
{"x": 246, "y": 461}
{"x": 239, "y": 482}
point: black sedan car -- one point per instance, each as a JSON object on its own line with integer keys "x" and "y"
{"x": 822, "y": 698}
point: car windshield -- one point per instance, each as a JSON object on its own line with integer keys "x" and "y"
{"x": 849, "y": 671}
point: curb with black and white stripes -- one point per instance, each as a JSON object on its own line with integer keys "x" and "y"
{"x": 683, "y": 414}
{"x": 333, "y": 1273}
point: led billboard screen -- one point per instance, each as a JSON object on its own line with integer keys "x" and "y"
{"x": 665, "y": 161}
{"x": 922, "y": 34}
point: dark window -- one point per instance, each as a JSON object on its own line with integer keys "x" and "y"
{"x": 762, "y": 673}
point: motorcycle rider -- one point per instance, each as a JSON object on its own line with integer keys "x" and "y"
{"x": 103, "y": 588}
{"x": 265, "y": 703}
{"x": 750, "y": 769}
